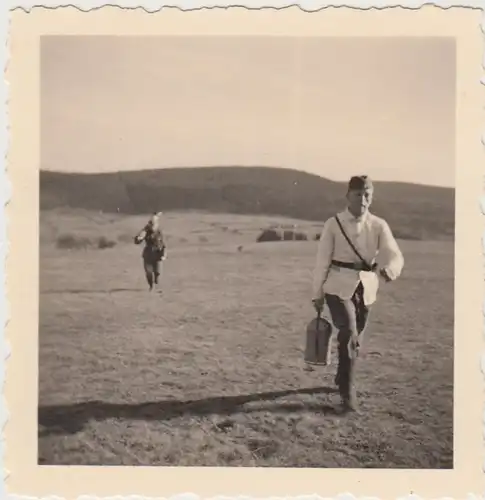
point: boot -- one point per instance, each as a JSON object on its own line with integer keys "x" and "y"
{"x": 149, "y": 281}
{"x": 345, "y": 383}
{"x": 348, "y": 391}
{"x": 349, "y": 401}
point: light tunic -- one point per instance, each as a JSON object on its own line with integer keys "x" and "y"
{"x": 373, "y": 238}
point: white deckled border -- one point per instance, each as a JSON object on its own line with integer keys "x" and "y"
{"x": 6, "y": 192}
{"x": 307, "y": 5}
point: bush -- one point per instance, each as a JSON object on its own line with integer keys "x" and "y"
{"x": 288, "y": 235}
{"x": 71, "y": 242}
{"x": 269, "y": 235}
{"x": 273, "y": 235}
{"x": 105, "y": 243}
{"x": 300, "y": 236}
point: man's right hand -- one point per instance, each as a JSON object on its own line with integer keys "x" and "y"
{"x": 318, "y": 303}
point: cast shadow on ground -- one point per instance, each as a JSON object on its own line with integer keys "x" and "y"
{"x": 71, "y": 419}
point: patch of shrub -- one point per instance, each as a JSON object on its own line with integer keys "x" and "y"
{"x": 268, "y": 235}
{"x": 273, "y": 235}
{"x": 105, "y": 243}
{"x": 288, "y": 235}
{"x": 72, "y": 242}
{"x": 296, "y": 236}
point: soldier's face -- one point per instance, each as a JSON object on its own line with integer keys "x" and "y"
{"x": 359, "y": 200}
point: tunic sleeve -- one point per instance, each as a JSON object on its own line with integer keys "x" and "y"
{"x": 391, "y": 258}
{"x": 324, "y": 258}
{"x": 140, "y": 236}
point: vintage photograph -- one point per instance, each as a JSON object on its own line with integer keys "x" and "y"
{"x": 247, "y": 251}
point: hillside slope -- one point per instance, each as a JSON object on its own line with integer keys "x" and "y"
{"x": 414, "y": 211}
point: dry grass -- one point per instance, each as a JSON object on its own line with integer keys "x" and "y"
{"x": 210, "y": 372}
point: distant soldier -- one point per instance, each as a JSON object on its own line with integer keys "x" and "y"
{"x": 155, "y": 249}
{"x": 355, "y": 248}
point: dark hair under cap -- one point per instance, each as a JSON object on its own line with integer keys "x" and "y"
{"x": 360, "y": 182}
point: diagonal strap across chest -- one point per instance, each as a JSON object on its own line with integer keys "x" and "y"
{"x": 365, "y": 265}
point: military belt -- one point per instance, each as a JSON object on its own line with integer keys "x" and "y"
{"x": 352, "y": 265}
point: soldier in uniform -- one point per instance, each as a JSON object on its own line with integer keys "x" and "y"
{"x": 154, "y": 251}
{"x": 356, "y": 248}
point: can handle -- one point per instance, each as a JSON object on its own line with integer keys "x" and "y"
{"x": 319, "y": 311}
{"x": 319, "y": 316}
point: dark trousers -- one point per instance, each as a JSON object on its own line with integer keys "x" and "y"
{"x": 350, "y": 318}
{"x": 152, "y": 270}
{"x": 151, "y": 265}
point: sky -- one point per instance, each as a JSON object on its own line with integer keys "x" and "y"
{"x": 334, "y": 107}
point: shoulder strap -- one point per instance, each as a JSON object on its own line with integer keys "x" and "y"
{"x": 350, "y": 243}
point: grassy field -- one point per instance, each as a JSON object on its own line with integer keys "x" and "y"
{"x": 210, "y": 372}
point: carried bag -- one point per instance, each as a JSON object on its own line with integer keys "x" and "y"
{"x": 318, "y": 341}
{"x": 365, "y": 265}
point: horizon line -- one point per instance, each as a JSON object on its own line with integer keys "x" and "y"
{"x": 268, "y": 167}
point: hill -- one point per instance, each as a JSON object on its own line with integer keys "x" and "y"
{"x": 414, "y": 211}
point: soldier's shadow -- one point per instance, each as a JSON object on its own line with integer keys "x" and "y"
{"x": 71, "y": 419}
